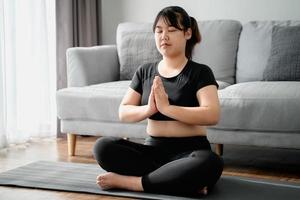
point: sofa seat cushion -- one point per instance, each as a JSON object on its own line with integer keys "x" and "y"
{"x": 98, "y": 102}
{"x": 261, "y": 106}
{"x": 95, "y": 102}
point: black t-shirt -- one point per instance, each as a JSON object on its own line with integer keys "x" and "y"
{"x": 181, "y": 89}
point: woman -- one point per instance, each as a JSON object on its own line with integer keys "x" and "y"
{"x": 179, "y": 98}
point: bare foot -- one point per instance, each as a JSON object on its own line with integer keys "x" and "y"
{"x": 112, "y": 180}
{"x": 203, "y": 191}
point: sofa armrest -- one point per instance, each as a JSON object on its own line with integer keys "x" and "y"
{"x": 92, "y": 65}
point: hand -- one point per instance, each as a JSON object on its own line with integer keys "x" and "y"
{"x": 151, "y": 108}
{"x": 160, "y": 95}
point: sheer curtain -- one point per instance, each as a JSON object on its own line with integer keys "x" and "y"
{"x": 27, "y": 70}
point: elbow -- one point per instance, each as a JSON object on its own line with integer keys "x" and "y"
{"x": 121, "y": 118}
{"x": 214, "y": 118}
{"x": 121, "y": 114}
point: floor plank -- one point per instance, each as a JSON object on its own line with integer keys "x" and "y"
{"x": 253, "y": 162}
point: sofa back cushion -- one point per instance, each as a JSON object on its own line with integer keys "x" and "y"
{"x": 218, "y": 47}
{"x": 255, "y": 48}
{"x": 136, "y": 45}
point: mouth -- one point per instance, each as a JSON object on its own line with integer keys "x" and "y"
{"x": 164, "y": 45}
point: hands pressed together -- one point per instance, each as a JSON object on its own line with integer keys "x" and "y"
{"x": 158, "y": 98}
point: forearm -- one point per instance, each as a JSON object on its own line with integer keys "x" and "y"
{"x": 193, "y": 115}
{"x": 132, "y": 113}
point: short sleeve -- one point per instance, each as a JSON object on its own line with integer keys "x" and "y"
{"x": 205, "y": 77}
{"x": 136, "y": 82}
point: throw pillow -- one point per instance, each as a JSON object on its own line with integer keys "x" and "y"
{"x": 284, "y": 61}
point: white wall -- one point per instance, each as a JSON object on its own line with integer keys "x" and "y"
{"x": 116, "y": 11}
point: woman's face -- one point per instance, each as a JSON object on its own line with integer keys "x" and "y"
{"x": 169, "y": 40}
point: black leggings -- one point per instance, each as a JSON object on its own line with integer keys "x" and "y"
{"x": 166, "y": 165}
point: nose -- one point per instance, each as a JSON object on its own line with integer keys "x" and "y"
{"x": 165, "y": 35}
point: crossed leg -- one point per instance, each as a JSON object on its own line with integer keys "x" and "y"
{"x": 130, "y": 167}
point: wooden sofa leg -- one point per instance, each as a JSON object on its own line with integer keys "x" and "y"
{"x": 71, "y": 144}
{"x": 219, "y": 149}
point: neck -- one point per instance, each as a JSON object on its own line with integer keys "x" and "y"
{"x": 175, "y": 62}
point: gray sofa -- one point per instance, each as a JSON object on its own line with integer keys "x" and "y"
{"x": 254, "y": 112}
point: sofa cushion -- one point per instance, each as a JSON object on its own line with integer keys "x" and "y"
{"x": 100, "y": 128}
{"x": 96, "y": 102}
{"x": 261, "y": 106}
{"x": 284, "y": 61}
{"x": 255, "y": 47}
{"x": 136, "y": 46}
{"x": 222, "y": 84}
{"x": 218, "y": 47}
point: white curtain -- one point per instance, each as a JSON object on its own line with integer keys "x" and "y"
{"x": 27, "y": 70}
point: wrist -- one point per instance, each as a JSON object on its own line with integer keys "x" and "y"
{"x": 148, "y": 111}
{"x": 166, "y": 110}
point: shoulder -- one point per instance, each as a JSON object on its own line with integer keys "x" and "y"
{"x": 199, "y": 68}
{"x": 202, "y": 75}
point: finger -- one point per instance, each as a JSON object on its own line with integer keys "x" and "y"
{"x": 160, "y": 86}
{"x": 156, "y": 93}
{"x": 158, "y": 78}
{"x": 153, "y": 89}
{"x": 159, "y": 82}
{"x": 152, "y": 93}
{"x": 154, "y": 82}
{"x": 155, "y": 85}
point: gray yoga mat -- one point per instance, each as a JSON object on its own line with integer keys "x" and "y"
{"x": 78, "y": 177}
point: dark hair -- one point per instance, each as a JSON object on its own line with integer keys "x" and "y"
{"x": 177, "y": 17}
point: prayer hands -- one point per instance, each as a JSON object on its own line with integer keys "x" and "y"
{"x": 158, "y": 98}
{"x": 160, "y": 95}
{"x": 152, "y": 109}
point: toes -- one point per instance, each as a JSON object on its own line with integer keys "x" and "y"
{"x": 101, "y": 185}
{"x": 100, "y": 177}
{"x": 105, "y": 181}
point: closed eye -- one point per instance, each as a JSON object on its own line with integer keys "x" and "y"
{"x": 158, "y": 30}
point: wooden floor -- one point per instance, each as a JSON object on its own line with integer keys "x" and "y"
{"x": 265, "y": 163}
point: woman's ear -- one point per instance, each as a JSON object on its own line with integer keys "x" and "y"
{"x": 188, "y": 34}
